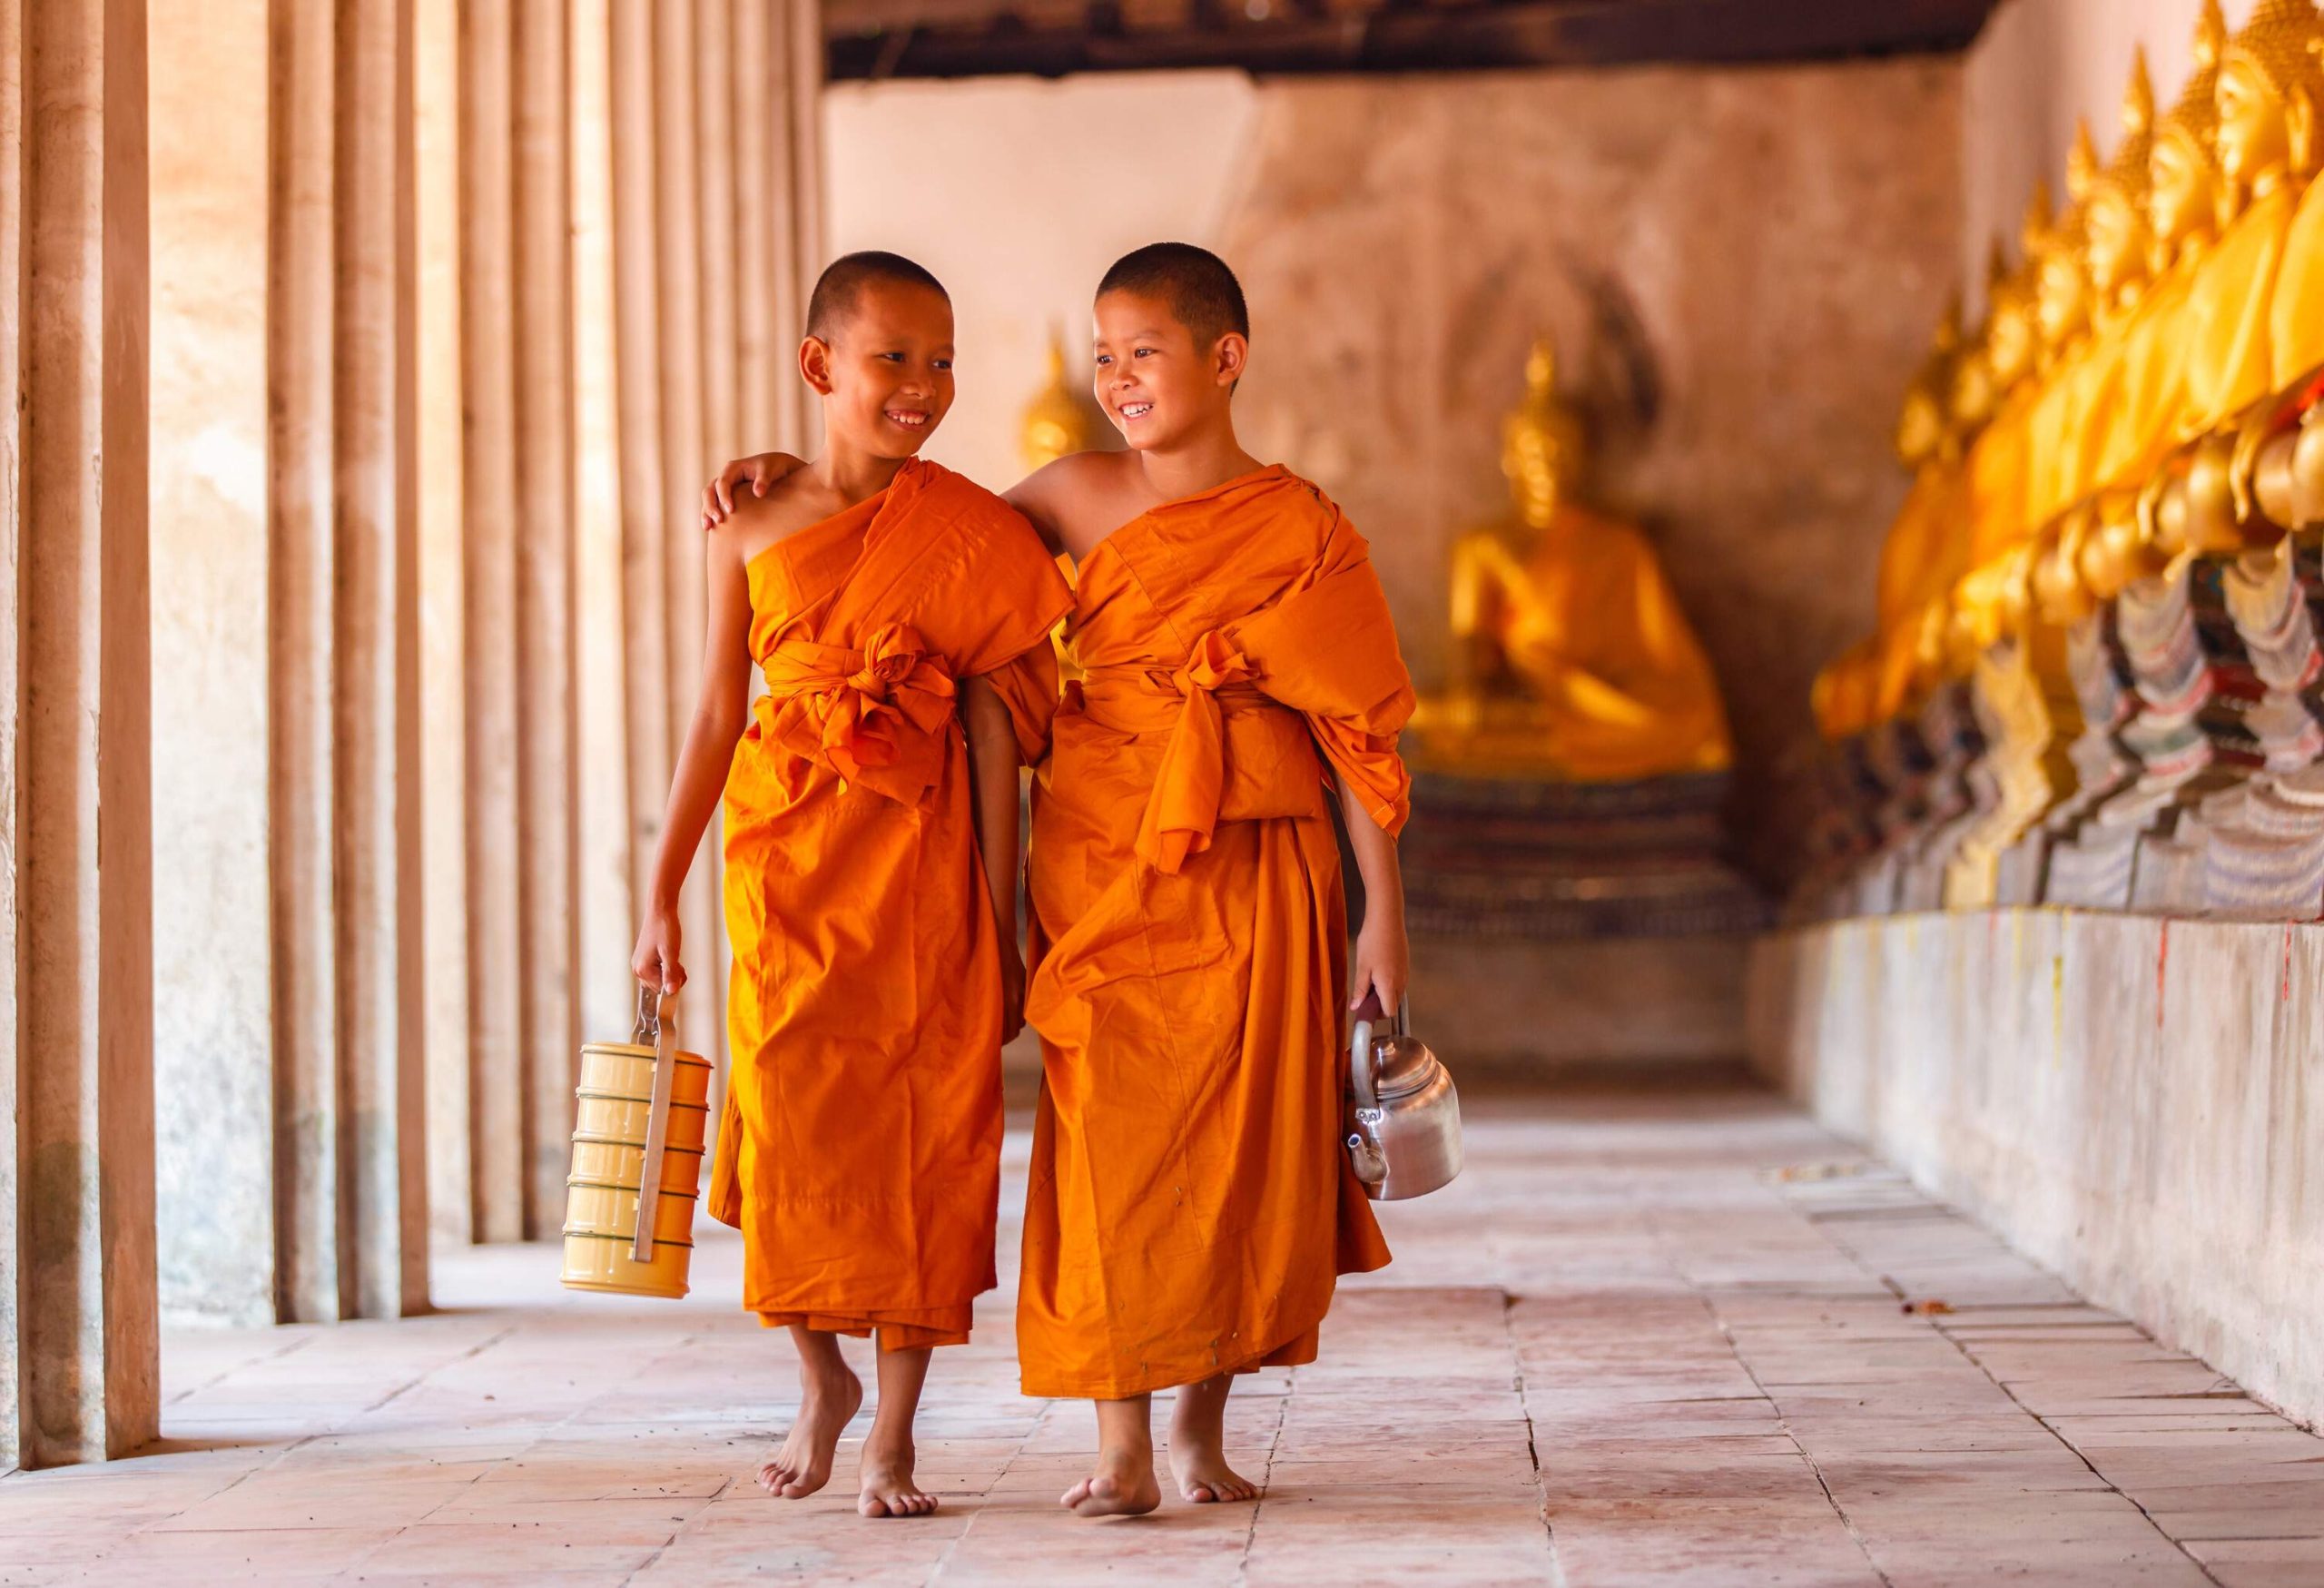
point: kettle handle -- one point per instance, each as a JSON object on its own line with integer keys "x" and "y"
{"x": 1368, "y": 1015}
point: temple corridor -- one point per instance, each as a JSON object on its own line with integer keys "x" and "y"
{"x": 1682, "y": 1336}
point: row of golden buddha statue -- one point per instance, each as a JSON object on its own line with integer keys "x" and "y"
{"x": 2095, "y": 677}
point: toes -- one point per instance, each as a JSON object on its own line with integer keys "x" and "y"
{"x": 1201, "y": 1494}
{"x": 1071, "y": 1499}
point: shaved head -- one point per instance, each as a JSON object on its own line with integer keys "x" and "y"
{"x": 1203, "y": 294}
{"x": 841, "y": 288}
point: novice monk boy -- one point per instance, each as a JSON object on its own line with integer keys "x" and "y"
{"x": 1190, "y": 1206}
{"x": 901, "y": 616}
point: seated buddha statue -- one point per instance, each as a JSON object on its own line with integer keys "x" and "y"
{"x": 1572, "y": 658}
{"x": 1869, "y": 682}
{"x": 2273, "y": 86}
{"x": 2267, "y": 87}
{"x": 1062, "y": 418}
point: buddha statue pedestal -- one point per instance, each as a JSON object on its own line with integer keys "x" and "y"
{"x": 1929, "y": 819}
{"x": 2264, "y": 856}
{"x": 2106, "y": 705}
{"x": 1560, "y": 925}
{"x": 2031, "y": 773}
{"x": 1900, "y": 775}
{"x": 2141, "y": 848}
{"x": 1841, "y": 833}
{"x": 1504, "y": 857}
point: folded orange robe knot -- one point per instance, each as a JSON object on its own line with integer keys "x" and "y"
{"x": 876, "y": 715}
{"x": 859, "y": 1149}
{"x": 1189, "y": 1206}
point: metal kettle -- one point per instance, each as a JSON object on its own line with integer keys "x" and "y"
{"x": 1403, "y": 1118}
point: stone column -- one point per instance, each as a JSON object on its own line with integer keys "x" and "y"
{"x": 606, "y": 909}
{"x": 637, "y": 362}
{"x": 443, "y": 625}
{"x": 541, "y": 517}
{"x": 215, "y": 966}
{"x": 489, "y": 489}
{"x": 79, "y": 1339}
{"x": 376, "y": 705}
{"x": 302, "y": 747}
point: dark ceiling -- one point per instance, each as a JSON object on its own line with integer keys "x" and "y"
{"x": 968, "y": 38}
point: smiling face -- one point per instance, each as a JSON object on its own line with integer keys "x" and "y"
{"x": 886, "y": 377}
{"x": 1153, "y": 380}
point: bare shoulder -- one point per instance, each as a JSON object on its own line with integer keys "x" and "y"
{"x": 795, "y": 502}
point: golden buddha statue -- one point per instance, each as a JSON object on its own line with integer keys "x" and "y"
{"x": 1926, "y": 549}
{"x": 2265, "y": 97}
{"x": 1571, "y": 657}
{"x": 2057, "y": 257}
{"x": 1999, "y": 460}
{"x": 2142, "y": 424}
{"x": 2267, "y": 86}
{"x": 2293, "y": 418}
{"x": 1060, "y": 419}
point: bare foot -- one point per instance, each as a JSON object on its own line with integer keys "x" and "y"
{"x": 1204, "y": 1476}
{"x": 1122, "y": 1486}
{"x": 888, "y": 1488}
{"x": 803, "y": 1465}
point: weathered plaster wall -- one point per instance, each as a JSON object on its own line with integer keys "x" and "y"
{"x": 2138, "y": 1104}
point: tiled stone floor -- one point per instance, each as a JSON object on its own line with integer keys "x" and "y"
{"x": 1673, "y": 1338}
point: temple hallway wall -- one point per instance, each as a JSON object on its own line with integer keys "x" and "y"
{"x": 2138, "y": 1104}
{"x": 2039, "y": 65}
{"x": 1741, "y": 267}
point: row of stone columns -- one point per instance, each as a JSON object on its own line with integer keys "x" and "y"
{"x": 324, "y": 857}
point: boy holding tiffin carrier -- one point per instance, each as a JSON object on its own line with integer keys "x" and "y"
{"x": 1190, "y": 1206}
{"x": 901, "y": 616}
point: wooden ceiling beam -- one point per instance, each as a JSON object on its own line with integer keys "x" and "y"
{"x": 949, "y": 38}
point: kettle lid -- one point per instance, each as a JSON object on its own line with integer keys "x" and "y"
{"x": 1402, "y": 1064}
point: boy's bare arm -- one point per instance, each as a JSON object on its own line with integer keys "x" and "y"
{"x": 1075, "y": 500}
{"x": 992, "y": 780}
{"x": 719, "y": 708}
{"x": 1383, "y": 956}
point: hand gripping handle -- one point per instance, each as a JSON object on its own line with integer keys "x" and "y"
{"x": 1368, "y": 1015}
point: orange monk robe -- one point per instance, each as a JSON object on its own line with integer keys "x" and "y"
{"x": 2230, "y": 362}
{"x": 2068, "y": 421}
{"x": 1998, "y": 485}
{"x": 2138, "y": 428}
{"x": 1191, "y": 1205}
{"x": 1924, "y": 556}
{"x": 2296, "y": 317}
{"x": 860, "y": 1149}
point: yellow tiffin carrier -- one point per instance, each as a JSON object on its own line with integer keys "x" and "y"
{"x": 637, "y": 1144}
